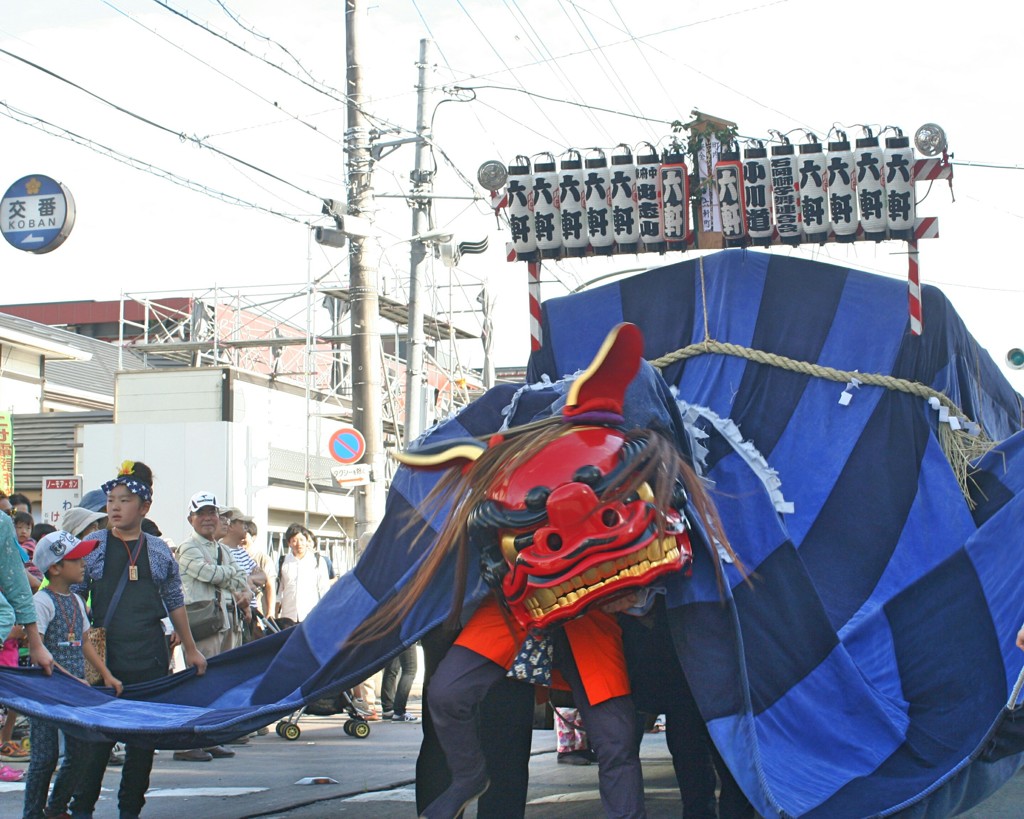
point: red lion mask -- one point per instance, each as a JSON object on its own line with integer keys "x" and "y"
{"x": 561, "y": 530}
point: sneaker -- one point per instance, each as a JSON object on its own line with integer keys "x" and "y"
{"x": 13, "y": 752}
{"x": 406, "y": 717}
{"x": 361, "y": 707}
{"x": 387, "y": 713}
{"x": 10, "y": 775}
{"x": 195, "y": 755}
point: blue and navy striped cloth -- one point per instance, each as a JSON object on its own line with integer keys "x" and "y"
{"x": 863, "y": 669}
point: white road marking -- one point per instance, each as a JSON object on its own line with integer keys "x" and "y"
{"x": 158, "y": 792}
{"x": 406, "y": 794}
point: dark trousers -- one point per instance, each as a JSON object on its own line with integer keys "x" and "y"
{"x": 399, "y": 675}
{"x": 131, "y": 796}
{"x": 506, "y": 734}
{"x": 45, "y": 743}
{"x": 463, "y": 679}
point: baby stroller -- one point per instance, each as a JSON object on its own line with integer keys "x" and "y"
{"x": 341, "y": 703}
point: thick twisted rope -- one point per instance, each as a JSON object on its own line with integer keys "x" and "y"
{"x": 960, "y": 446}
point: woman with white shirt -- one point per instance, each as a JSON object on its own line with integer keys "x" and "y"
{"x": 301, "y": 579}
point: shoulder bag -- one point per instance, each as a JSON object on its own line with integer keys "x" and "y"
{"x": 205, "y": 617}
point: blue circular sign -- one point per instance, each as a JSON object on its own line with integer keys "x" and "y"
{"x": 37, "y": 214}
{"x": 347, "y": 445}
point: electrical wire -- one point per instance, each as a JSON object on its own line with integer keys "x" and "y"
{"x": 236, "y": 18}
{"x": 243, "y": 86}
{"x": 564, "y": 142}
{"x": 598, "y": 55}
{"x": 636, "y": 43}
{"x": 534, "y": 36}
{"x": 179, "y": 134}
{"x": 43, "y": 125}
{"x": 564, "y": 102}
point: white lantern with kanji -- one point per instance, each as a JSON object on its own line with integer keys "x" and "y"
{"x": 598, "y": 195}
{"x": 899, "y": 187}
{"x": 757, "y": 194}
{"x": 869, "y": 163}
{"x": 786, "y": 194}
{"x": 813, "y": 190}
{"x": 675, "y": 201}
{"x": 547, "y": 224}
{"x": 625, "y": 225}
{"x": 648, "y": 199}
{"x": 842, "y": 180}
{"x": 573, "y": 205}
{"x": 520, "y": 209}
{"x": 729, "y": 182}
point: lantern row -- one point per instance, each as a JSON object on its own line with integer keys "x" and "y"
{"x": 601, "y": 205}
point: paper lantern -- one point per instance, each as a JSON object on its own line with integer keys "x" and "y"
{"x": 842, "y": 182}
{"x": 729, "y": 181}
{"x": 520, "y": 209}
{"x": 899, "y": 187}
{"x": 813, "y": 186}
{"x": 786, "y": 194}
{"x": 623, "y": 200}
{"x": 757, "y": 194}
{"x": 546, "y": 220}
{"x": 648, "y": 199}
{"x": 572, "y": 205}
{"x": 598, "y": 195}
{"x": 869, "y": 162}
{"x": 675, "y": 201}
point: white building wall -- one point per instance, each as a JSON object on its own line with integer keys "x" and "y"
{"x": 171, "y": 421}
{"x": 169, "y": 396}
{"x": 21, "y": 381}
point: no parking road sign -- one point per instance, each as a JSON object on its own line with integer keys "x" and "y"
{"x": 347, "y": 445}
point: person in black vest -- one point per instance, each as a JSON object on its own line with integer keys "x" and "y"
{"x": 133, "y": 581}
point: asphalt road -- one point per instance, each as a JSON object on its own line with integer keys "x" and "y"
{"x": 373, "y": 780}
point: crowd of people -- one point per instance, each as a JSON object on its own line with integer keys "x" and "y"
{"x": 159, "y": 608}
{"x": 108, "y": 599}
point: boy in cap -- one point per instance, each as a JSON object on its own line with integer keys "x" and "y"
{"x": 62, "y": 622}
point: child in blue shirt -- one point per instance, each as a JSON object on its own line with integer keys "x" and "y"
{"x": 62, "y": 620}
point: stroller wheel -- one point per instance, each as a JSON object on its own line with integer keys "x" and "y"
{"x": 360, "y": 729}
{"x": 291, "y": 731}
{"x": 348, "y": 726}
{"x": 280, "y": 728}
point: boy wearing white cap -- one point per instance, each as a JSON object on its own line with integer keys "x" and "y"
{"x": 63, "y": 624}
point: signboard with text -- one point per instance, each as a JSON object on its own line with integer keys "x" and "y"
{"x": 37, "y": 214}
{"x": 6, "y": 454}
{"x": 59, "y": 495}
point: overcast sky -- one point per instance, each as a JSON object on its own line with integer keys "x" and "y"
{"x": 790, "y": 64}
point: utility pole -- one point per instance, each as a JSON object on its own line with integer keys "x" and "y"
{"x": 366, "y": 347}
{"x": 422, "y": 182}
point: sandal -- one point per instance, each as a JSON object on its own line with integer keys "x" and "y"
{"x": 8, "y": 774}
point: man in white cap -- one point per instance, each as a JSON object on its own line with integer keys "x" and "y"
{"x": 209, "y": 572}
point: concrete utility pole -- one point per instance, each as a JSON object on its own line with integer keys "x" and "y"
{"x": 422, "y": 181}
{"x": 366, "y": 348}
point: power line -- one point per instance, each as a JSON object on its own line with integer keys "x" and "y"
{"x": 60, "y": 132}
{"x": 243, "y": 86}
{"x": 317, "y": 85}
{"x": 237, "y": 19}
{"x": 179, "y": 134}
{"x": 534, "y": 35}
{"x": 565, "y": 142}
{"x": 564, "y": 102}
{"x": 613, "y": 80}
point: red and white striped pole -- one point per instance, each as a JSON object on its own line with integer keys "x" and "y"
{"x": 914, "y": 287}
{"x": 534, "y": 291}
